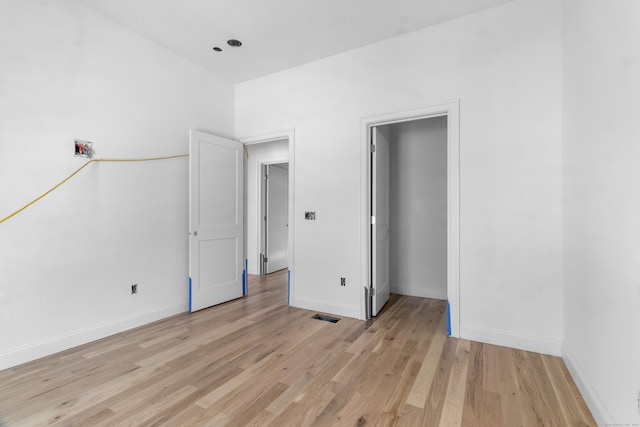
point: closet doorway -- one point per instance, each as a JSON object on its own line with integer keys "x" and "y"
{"x": 412, "y": 207}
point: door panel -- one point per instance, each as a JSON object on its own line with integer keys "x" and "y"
{"x": 380, "y": 211}
{"x": 277, "y": 218}
{"x": 215, "y": 220}
{"x": 216, "y": 162}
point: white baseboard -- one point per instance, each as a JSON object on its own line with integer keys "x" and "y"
{"x": 326, "y": 307}
{"x": 507, "y": 339}
{"x": 589, "y": 394}
{"x": 27, "y": 353}
{"x": 420, "y": 291}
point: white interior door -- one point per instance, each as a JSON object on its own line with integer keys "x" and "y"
{"x": 277, "y": 217}
{"x": 215, "y": 220}
{"x": 380, "y": 227}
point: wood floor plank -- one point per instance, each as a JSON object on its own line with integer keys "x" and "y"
{"x": 306, "y": 408}
{"x": 536, "y": 395}
{"x": 574, "y": 410}
{"x": 508, "y": 388}
{"x": 255, "y": 406}
{"x": 454, "y": 397}
{"x": 396, "y": 401}
{"x": 419, "y": 391}
{"x": 312, "y": 395}
{"x": 257, "y": 362}
{"x": 410, "y": 416}
{"x": 474, "y": 394}
{"x": 438, "y": 388}
{"x": 146, "y": 408}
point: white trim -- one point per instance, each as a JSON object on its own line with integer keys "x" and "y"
{"x": 589, "y": 394}
{"x": 508, "y": 339}
{"x": 452, "y": 110}
{"x": 290, "y": 135}
{"x": 326, "y": 307}
{"x": 268, "y": 137}
{"x": 419, "y": 291}
{"x": 49, "y": 346}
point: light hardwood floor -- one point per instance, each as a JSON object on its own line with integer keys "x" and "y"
{"x": 257, "y": 362}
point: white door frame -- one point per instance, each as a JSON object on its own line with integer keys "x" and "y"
{"x": 450, "y": 109}
{"x": 380, "y": 183}
{"x": 289, "y": 135}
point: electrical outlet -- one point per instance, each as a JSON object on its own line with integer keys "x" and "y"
{"x": 639, "y": 401}
{"x": 343, "y": 281}
{"x": 134, "y": 288}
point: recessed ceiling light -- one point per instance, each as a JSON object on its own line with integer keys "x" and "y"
{"x": 217, "y": 49}
{"x": 234, "y": 43}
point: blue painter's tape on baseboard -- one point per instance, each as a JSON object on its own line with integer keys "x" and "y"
{"x": 190, "y": 296}
{"x": 245, "y": 278}
{"x": 448, "y": 318}
{"x": 288, "y": 287}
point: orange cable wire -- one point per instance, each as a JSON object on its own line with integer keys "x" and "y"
{"x": 78, "y": 170}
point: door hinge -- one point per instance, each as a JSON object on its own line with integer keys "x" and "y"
{"x": 266, "y": 259}
{"x": 373, "y": 292}
{"x": 373, "y": 220}
{"x": 373, "y": 148}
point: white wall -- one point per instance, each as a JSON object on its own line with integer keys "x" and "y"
{"x": 67, "y": 262}
{"x": 601, "y": 101}
{"x": 418, "y": 208}
{"x": 504, "y": 67}
{"x": 266, "y": 152}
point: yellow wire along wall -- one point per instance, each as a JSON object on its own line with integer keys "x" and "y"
{"x": 148, "y": 159}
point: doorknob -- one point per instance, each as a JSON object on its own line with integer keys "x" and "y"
{"x": 195, "y": 233}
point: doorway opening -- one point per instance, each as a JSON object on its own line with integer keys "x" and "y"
{"x": 411, "y": 207}
{"x": 274, "y": 217}
{"x": 269, "y": 226}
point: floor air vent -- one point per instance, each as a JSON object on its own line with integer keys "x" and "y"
{"x": 326, "y": 318}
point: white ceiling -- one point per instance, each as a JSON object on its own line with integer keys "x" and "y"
{"x": 276, "y": 34}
